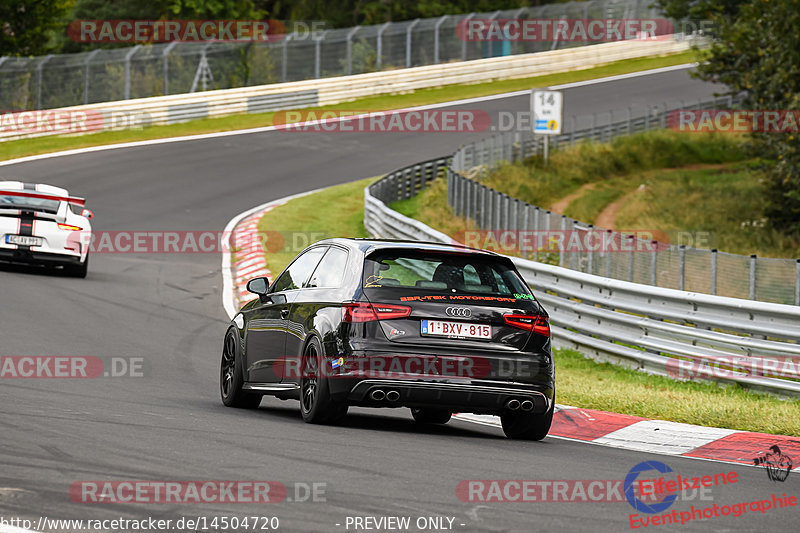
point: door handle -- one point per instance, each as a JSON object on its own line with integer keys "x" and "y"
{"x": 284, "y": 312}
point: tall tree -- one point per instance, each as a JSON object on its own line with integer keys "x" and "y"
{"x": 27, "y": 27}
{"x": 755, "y": 51}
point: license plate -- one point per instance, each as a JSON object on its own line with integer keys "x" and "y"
{"x": 24, "y": 240}
{"x": 459, "y": 330}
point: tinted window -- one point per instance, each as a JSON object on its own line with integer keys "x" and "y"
{"x": 330, "y": 272}
{"x": 35, "y": 204}
{"x": 298, "y": 271}
{"x": 464, "y": 273}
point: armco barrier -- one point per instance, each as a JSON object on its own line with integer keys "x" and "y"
{"x": 651, "y": 328}
{"x": 144, "y": 112}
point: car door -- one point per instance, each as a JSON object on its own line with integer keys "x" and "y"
{"x": 322, "y": 291}
{"x": 265, "y": 342}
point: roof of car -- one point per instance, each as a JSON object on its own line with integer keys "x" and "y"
{"x": 369, "y": 245}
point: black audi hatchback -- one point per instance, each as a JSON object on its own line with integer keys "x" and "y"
{"x": 439, "y": 329}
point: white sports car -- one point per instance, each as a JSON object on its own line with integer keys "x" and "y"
{"x": 44, "y": 225}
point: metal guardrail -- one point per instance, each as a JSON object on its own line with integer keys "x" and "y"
{"x": 106, "y": 75}
{"x": 655, "y": 329}
{"x": 659, "y": 264}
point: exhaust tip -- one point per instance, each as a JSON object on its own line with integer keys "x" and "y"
{"x": 377, "y": 395}
{"x": 392, "y": 395}
{"x": 527, "y": 405}
{"x": 512, "y": 404}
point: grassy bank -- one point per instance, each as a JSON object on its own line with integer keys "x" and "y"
{"x": 701, "y": 190}
{"x": 580, "y": 381}
{"x": 25, "y": 147}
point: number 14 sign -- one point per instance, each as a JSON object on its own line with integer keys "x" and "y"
{"x": 547, "y": 108}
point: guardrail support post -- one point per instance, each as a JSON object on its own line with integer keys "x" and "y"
{"x": 408, "y": 42}
{"x": 714, "y": 271}
{"x": 753, "y": 261}
{"x": 436, "y": 39}
{"x": 654, "y": 264}
{"x": 682, "y": 268}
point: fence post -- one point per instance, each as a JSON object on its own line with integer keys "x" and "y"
{"x": 753, "y": 260}
{"x": 39, "y": 80}
{"x": 86, "y": 75}
{"x": 128, "y": 70}
{"x": 563, "y": 234}
{"x": 484, "y": 208}
{"x": 318, "y": 54}
{"x": 629, "y": 120}
{"x": 285, "y": 56}
{"x": 350, "y": 49}
{"x": 682, "y": 268}
{"x": 408, "y": 42}
{"x": 714, "y": 271}
{"x": 654, "y": 264}
{"x": 525, "y": 219}
{"x": 464, "y": 41}
{"x": 572, "y": 131}
{"x": 797, "y": 283}
{"x": 590, "y": 252}
{"x": 165, "y": 65}
{"x": 631, "y": 257}
{"x": 436, "y": 39}
{"x": 608, "y": 253}
{"x": 379, "y": 51}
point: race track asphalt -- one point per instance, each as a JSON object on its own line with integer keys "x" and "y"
{"x": 166, "y": 309}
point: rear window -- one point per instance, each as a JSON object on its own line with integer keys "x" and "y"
{"x": 442, "y": 272}
{"x": 24, "y": 202}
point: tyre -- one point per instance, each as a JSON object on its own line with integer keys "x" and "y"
{"x": 527, "y": 426}
{"x": 231, "y": 375}
{"x": 77, "y": 271}
{"x": 316, "y": 405}
{"x": 431, "y": 416}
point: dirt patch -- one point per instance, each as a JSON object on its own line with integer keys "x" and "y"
{"x": 608, "y": 216}
{"x": 561, "y": 205}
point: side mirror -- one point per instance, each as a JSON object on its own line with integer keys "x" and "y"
{"x": 258, "y": 286}
{"x": 86, "y": 213}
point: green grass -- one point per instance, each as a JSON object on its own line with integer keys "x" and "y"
{"x": 584, "y": 383}
{"x": 40, "y": 145}
{"x": 570, "y": 168}
{"x": 579, "y": 381}
{"x": 301, "y": 221}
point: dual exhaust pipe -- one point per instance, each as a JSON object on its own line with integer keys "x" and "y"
{"x": 513, "y": 405}
{"x": 380, "y": 394}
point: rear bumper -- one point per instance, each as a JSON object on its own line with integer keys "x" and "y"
{"x": 484, "y": 398}
{"x": 31, "y": 257}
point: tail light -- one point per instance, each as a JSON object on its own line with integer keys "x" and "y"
{"x": 364, "y": 312}
{"x": 67, "y": 227}
{"x": 536, "y": 323}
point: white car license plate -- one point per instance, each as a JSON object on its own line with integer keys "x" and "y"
{"x": 456, "y": 329}
{"x": 24, "y": 240}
